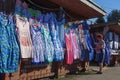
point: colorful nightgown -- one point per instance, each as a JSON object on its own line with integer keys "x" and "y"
{"x": 58, "y": 54}
{"x": 23, "y": 29}
{"x": 38, "y": 44}
{"x": 49, "y": 54}
{"x": 74, "y": 44}
{"x": 9, "y": 49}
{"x": 69, "y": 54}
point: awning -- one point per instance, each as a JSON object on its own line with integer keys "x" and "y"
{"x": 77, "y": 9}
{"x": 113, "y": 27}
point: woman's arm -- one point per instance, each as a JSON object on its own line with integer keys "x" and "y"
{"x": 102, "y": 45}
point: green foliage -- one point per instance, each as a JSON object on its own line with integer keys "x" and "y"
{"x": 100, "y": 20}
{"x": 114, "y": 16}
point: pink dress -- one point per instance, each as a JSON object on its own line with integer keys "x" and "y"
{"x": 74, "y": 44}
{"x": 69, "y": 54}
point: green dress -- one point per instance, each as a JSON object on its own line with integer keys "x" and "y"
{"x": 49, "y": 54}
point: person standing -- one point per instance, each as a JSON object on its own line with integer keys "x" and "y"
{"x": 100, "y": 52}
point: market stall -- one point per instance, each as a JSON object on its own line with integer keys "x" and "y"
{"x": 111, "y": 35}
{"x": 37, "y": 51}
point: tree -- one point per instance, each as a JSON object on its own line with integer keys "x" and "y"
{"x": 100, "y": 20}
{"x": 114, "y": 16}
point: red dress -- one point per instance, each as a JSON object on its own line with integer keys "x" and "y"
{"x": 69, "y": 55}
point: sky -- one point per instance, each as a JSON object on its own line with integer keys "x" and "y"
{"x": 108, "y": 6}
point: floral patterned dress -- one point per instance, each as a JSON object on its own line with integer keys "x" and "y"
{"x": 38, "y": 43}
{"x": 23, "y": 29}
{"x": 9, "y": 49}
{"x": 49, "y": 54}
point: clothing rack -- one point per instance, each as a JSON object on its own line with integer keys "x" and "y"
{"x": 50, "y": 9}
{"x": 28, "y": 71}
{"x": 41, "y": 7}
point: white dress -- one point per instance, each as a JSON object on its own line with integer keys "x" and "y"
{"x": 23, "y": 29}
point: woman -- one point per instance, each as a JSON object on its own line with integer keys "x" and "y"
{"x": 100, "y": 52}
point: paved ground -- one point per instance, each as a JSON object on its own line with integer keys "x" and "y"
{"x": 110, "y": 73}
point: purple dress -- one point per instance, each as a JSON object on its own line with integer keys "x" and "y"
{"x": 38, "y": 44}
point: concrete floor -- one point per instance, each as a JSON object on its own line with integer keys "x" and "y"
{"x": 110, "y": 73}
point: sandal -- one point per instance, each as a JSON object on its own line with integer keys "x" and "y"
{"x": 99, "y": 72}
{"x": 83, "y": 70}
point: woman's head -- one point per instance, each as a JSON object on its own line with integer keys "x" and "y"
{"x": 99, "y": 36}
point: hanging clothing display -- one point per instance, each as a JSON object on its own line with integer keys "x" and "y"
{"x": 74, "y": 44}
{"x": 107, "y": 52}
{"x": 88, "y": 40}
{"x": 48, "y": 43}
{"x": 18, "y": 7}
{"x": 106, "y": 29}
{"x": 81, "y": 42}
{"x": 49, "y": 54}
{"x": 110, "y": 36}
{"x": 107, "y": 49}
{"x": 78, "y": 40}
{"x": 23, "y": 29}
{"x": 61, "y": 31}
{"x": 38, "y": 42}
{"x": 78, "y": 43}
{"x": 113, "y": 42}
{"x": 69, "y": 55}
{"x": 43, "y": 38}
{"x": 87, "y": 53}
{"x": 58, "y": 50}
{"x": 38, "y": 56}
{"x": 116, "y": 41}
{"x": 82, "y": 45}
{"x": 9, "y": 49}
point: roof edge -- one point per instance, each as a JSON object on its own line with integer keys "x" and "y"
{"x": 95, "y": 6}
{"x": 105, "y": 24}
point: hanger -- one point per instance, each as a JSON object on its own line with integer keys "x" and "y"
{"x": 31, "y": 5}
{"x": 21, "y": 18}
{"x": 25, "y": 5}
{"x": 70, "y": 23}
{"x": 36, "y": 24}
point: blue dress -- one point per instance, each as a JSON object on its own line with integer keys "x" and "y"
{"x": 90, "y": 51}
{"x": 61, "y": 31}
{"x": 9, "y": 49}
{"x": 38, "y": 45}
{"x": 49, "y": 53}
{"x": 59, "y": 54}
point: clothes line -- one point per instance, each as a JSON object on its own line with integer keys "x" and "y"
{"x": 42, "y": 6}
{"x": 55, "y": 9}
